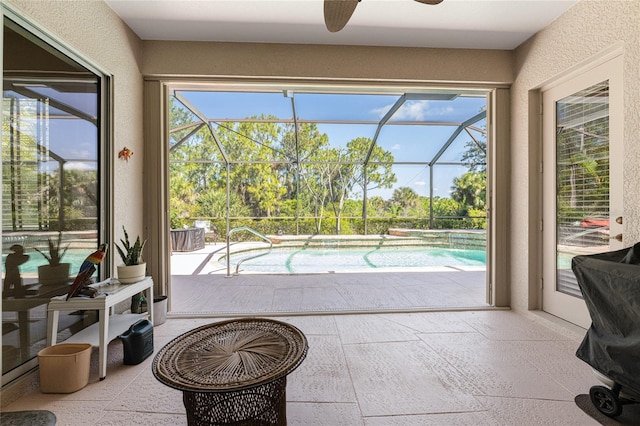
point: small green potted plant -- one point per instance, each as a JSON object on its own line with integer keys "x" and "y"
{"x": 55, "y": 272}
{"x": 134, "y": 267}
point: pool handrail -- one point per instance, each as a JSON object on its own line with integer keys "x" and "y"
{"x": 254, "y": 232}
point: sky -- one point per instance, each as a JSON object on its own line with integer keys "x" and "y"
{"x": 72, "y": 138}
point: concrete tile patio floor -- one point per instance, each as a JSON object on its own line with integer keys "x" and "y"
{"x": 369, "y": 362}
{"x": 489, "y": 367}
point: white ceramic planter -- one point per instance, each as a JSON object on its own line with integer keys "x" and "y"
{"x": 128, "y": 274}
{"x": 54, "y": 275}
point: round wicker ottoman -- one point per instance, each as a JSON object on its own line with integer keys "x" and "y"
{"x": 233, "y": 372}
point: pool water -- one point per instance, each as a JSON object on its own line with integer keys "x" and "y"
{"x": 73, "y": 256}
{"x": 310, "y": 260}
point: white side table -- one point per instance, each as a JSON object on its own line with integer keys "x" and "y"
{"x": 109, "y": 325}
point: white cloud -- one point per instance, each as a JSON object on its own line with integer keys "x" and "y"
{"x": 380, "y": 112}
{"x": 395, "y": 147}
{"x": 78, "y": 166}
{"x": 413, "y": 110}
{"x": 416, "y": 111}
{"x": 82, "y": 154}
{"x": 420, "y": 183}
{"x": 439, "y": 112}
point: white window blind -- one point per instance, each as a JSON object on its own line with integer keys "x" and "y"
{"x": 582, "y": 193}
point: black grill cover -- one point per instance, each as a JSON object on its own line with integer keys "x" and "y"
{"x": 610, "y": 284}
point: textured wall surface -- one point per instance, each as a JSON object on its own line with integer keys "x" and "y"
{"x": 91, "y": 28}
{"x": 94, "y": 31}
{"x": 585, "y": 30}
{"x": 317, "y": 61}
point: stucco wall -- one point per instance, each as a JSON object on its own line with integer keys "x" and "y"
{"x": 326, "y": 62}
{"x": 94, "y": 31}
{"x": 585, "y": 30}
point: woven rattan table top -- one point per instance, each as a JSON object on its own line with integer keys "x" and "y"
{"x": 230, "y": 355}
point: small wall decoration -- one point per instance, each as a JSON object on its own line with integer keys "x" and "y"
{"x": 125, "y": 154}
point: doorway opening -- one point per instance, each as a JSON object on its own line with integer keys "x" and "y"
{"x": 392, "y": 182}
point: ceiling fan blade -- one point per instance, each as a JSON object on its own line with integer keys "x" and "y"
{"x": 337, "y": 13}
{"x": 429, "y": 1}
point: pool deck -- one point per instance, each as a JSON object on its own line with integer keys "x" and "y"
{"x": 200, "y": 286}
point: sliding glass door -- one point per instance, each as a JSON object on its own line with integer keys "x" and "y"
{"x": 52, "y": 188}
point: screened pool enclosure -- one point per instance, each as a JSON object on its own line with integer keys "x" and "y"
{"x": 327, "y": 161}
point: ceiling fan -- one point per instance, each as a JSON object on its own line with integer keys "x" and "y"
{"x": 338, "y": 12}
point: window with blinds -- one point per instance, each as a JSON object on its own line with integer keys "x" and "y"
{"x": 582, "y": 167}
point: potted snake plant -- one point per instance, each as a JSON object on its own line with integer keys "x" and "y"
{"x": 134, "y": 267}
{"x": 54, "y": 272}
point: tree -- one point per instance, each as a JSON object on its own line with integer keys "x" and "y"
{"x": 406, "y": 198}
{"x": 181, "y": 197}
{"x": 376, "y": 174}
{"x": 583, "y": 169}
{"x": 191, "y": 171}
{"x": 213, "y": 203}
{"x": 470, "y": 191}
{"x": 246, "y": 143}
{"x": 475, "y": 155}
{"x": 445, "y": 210}
{"x": 445, "y": 207}
{"x": 310, "y": 142}
{"x": 376, "y": 206}
{"x": 79, "y": 200}
{"x": 271, "y": 163}
{"x": 316, "y": 180}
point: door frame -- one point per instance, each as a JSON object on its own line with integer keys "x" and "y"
{"x": 608, "y": 63}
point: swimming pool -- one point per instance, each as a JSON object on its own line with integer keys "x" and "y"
{"x": 297, "y": 260}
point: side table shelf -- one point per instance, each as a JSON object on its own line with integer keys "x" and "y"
{"x": 109, "y": 325}
{"x": 118, "y": 324}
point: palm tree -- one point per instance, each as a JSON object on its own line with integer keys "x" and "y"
{"x": 470, "y": 190}
{"x": 406, "y": 198}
